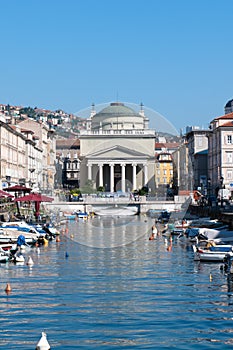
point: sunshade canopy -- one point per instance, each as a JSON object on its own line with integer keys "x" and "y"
{"x": 18, "y": 188}
{"x": 34, "y": 197}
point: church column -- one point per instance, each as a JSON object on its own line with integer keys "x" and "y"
{"x": 101, "y": 175}
{"x": 111, "y": 177}
{"x": 134, "y": 176}
{"x": 123, "y": 177}
{"x": 145, "y": 168}
{"x": 89, "y": 171}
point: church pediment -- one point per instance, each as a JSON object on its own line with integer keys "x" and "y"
{"x": 117, "y": 152}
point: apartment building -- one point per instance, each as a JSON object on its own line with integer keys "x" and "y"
{"x": 45, "y": 167}
{"x": 12, "y": 154}
{"x": 197, "y": 143}
{"x": 220, "y": 157}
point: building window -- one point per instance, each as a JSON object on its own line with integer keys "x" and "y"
{"x": 165, "y": 172}
{"x": 164, "y": 180}
{"x": 229, "y": 139}
{"x": 229, "y": 157}
{"x": 200, "y": 141}
{"x": 229, "y": 174}
{"x": 158, "y": 172}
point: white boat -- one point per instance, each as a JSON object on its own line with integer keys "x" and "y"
{"x": 213, "y": 253}
{"x": 116, "y": 210}
{"x": 10, "y": 235}
{"x": 21, "y": 226}
{"x": 81, "y": 215}
{"x": 207, "y": 223}
{"x": 219, "y": 235}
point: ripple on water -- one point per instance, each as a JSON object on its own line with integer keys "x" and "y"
{"x": 134, "y": 295}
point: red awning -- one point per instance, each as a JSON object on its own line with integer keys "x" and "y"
{"x": 18, "y": 188}
{"x": 5, "y": 194}
{"x": 34, "y": 197}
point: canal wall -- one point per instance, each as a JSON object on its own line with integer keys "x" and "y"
{"x": 222, "y": 213}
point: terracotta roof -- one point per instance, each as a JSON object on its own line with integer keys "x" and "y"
{"x": 67, "y": 143}
{"x": 228, "y": 123}
{"x": 225, "y": 116}
{"x": 167, "y": 144}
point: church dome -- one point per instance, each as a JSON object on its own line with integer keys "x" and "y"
{"x": 117, "y": 116}
{"x": 229, "y": 103}
{"x": 229, "y": 107}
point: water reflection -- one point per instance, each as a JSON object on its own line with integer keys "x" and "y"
{"x": 130, "y": 295}
{"x": 109, "y": 232}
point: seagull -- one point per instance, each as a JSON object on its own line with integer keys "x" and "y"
{"x": 43, "y": 343}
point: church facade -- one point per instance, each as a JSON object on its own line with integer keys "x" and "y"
{"x": 117, "y": 150}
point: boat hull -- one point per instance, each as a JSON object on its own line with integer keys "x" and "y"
{"x": 209, "y": 257}
{"x": 214, "y": 253}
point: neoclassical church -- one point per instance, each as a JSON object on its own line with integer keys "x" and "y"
{"x": 117, "y": 149}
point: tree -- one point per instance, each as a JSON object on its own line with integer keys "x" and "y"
{"x": 89, "y": 187}
{"x": 30, "y": 112}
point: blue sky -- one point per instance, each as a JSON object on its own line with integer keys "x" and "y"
{"x": 175, "y": 56}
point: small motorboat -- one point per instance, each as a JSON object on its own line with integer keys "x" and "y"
{"x": 219, "y": 235}
{"x": 10, "y": 235}
{"x": 216, "y": 253}
{"x": 69, "y": 216}
{"x": 82, "y": 215}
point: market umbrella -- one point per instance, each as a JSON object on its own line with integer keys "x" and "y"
{"x": 34, "y": 197}
{"x": 18, "y": 188}
{"x": 5, "y": 194}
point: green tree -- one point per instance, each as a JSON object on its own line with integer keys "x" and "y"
{"x": 30, "y": 112}
{"x": 88, "y": 188}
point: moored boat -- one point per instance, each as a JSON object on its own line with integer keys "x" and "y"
{"x": 219, "y": 234}
{"x": 10, "y": 235}
{"x": 82, "y": 215}
{"x": 213, "y": 253}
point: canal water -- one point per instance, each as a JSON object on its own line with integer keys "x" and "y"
{"x": 106, "y": 286}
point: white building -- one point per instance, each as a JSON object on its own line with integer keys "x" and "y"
{"x": 117, "y": 150}
{"x": 45, "y": 165}
{"x": 220, "y": 157}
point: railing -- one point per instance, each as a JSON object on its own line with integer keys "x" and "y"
{"x": 118, "y": 132}
{"x": 93, "y": 198}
